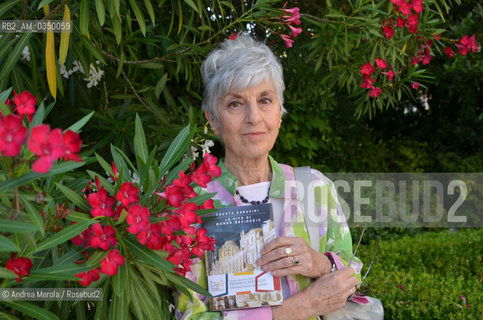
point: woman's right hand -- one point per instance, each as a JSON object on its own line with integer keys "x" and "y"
{"x": 326, "y": 294}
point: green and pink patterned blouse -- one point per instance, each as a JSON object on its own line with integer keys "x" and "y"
{"x": 333, "y": 230}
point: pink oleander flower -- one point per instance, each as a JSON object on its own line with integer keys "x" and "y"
{"x": 127, "y": 194}
{"x": 111, "y": 263}
{"x": 82, "y": 239}
{"x": 233, "y": 36}
{"x": 467, "y": 44}
{"x": 187, "y": 214}
{"x": 375, "y": 92}
{"x": 88, "y": 277}
{"x": 47, "y": 145}
{"x": 367, "y": 69}
{"x": 417, "y": 5}
{"x": 20, "y": 266}
{"x": 293, "y": 19}
{"x": 72, "y": 144}
{"x": 293, "y": 11}
{"x": 103, "y": 238}
{"x": 381, "y": 63}
{"x": 12, "y": 135}
{"x": 412, "y": 23}
{"x": 415, "y": 85}
{"x": 389, "y": 74}
{"x": 295, "y": 31}
{"x": 210, "y": 161}
{"x": 288, "y": 40}
{"x": 368, "y": 83}
{"x": 449, "y": 52}
{"x": 398, "y": 3}
{"x": 25, "y": 103}
{"x": 405, "y": 8}
{"x": 137, "y": 218}
{"x": 101, "y": 204}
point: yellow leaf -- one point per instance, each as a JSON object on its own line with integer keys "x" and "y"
{"x": 46, "y": 9}
{"x": 50, "y": 63}
{"x": 64, "y": 38}
{"x": 404, "y": 47}
{"x": 88, "y": 35}
{"x": 180, "y": 24}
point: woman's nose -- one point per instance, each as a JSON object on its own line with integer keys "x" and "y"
{"x": 253, "y": 113}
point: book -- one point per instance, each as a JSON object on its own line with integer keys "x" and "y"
{"x": 234, "y": 279}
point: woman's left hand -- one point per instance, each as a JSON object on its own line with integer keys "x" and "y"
{"x": 301, "y": 259}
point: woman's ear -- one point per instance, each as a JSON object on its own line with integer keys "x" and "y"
{"x": 209, "y": 116}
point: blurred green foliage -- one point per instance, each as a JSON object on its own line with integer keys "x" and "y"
{"x": 433, "y": 275}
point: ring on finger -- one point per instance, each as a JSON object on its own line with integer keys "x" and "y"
{"x": 295, "y": 261}
{"x": 288, "y": 251}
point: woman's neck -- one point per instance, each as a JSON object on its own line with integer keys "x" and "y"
{"x": 248, "y": 172}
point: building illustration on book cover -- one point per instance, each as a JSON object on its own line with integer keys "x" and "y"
{"x": 234, "y": 279}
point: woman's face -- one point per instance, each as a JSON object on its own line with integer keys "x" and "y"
{"x": 249, "y": 121}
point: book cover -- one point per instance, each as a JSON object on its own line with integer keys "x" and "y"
{"x": 234, "y": 279}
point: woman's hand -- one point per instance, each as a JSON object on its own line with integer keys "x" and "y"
{"x": 327, "y": 294}
{"x": 274, "y": 258}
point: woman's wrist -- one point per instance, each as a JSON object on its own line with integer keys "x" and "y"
{"x": 293, "y": 308}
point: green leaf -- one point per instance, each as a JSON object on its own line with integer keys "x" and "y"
{"x": 4, "y": 96}
{"x": 142, "y": 299}
{"x": 120, "y": 279}
{"x": 92, "y": 49}
{"x": 7, "y": 5}
{"x": 101, "y": 308}
{"x": 96, "y": 258}
{"x": 180, "y": 281}
{"x": 119, "y": 307}
{"x": 139, "y": 16}
{"x": 26, "y": 178}
{"x": 106, "y": 166}
{"x": 84, "y": 17}
{"x": 101, "y": 12}
{"x": 78, "y": 216}
{"x": 149, "y": 8}
{"x": 176, "y": 149}
{"x": 60, "y": 272}
{"x": 39, "y": 116}
{"x": 31, "y": 310}
{"x": 76, "y": 127}
{"x": 174, "y": 173}
{"x": 44, "y": 3}
{"x": 7, "y": 245}
{"x": 64, "y": 235}
{"x": 160, "y": 85}
{"x": 126, "y": 159}
{"x": 70, "y": 256}
{"x": 74, "y": 197}
{"x": 7, "y": 274}
{"x": 34, "y": 214}
{"x": 202, "y": 198}
{"x": 192, "y": 5}
{"x": 148, "y": 256}
{"x": 13, "y": 57}
{"x": 116, "y": 25}
{"x": 106, "y": 184}
{"x": 16, "y": 226}
{"x": 140, "y": 146}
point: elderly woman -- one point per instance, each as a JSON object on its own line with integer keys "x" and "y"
{"x": 243, "y": 102}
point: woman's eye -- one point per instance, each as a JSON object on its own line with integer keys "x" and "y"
{"x": 265, "y": 100}
{"x": 234, "y": 104}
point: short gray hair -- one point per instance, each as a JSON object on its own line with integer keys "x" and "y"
{"x": 236, "y": 65}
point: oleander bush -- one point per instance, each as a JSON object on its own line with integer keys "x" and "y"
{"x": 431, "y": 275}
